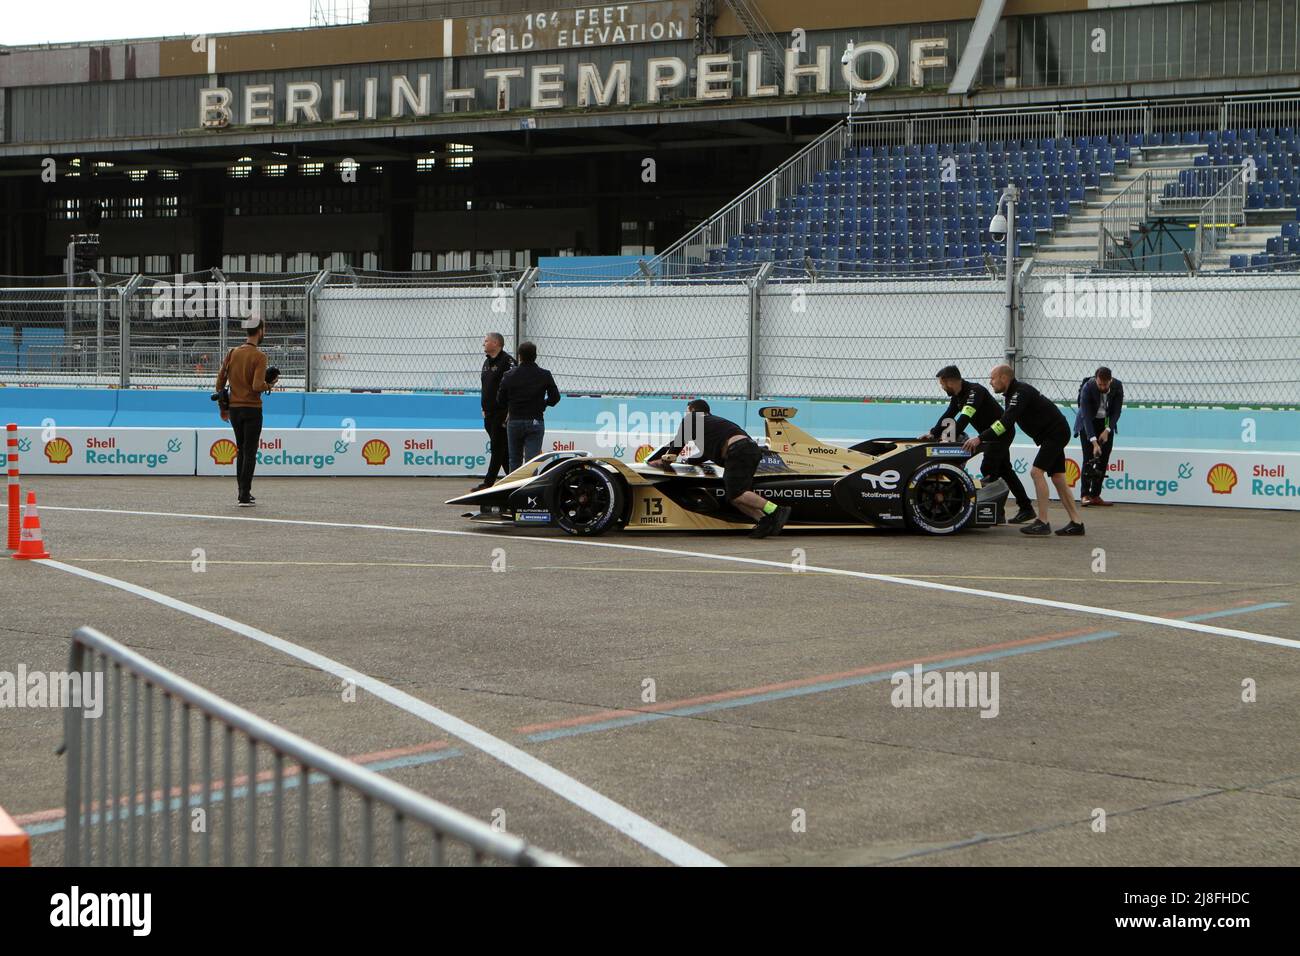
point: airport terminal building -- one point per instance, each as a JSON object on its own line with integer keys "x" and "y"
{"x": 455, "y": 136}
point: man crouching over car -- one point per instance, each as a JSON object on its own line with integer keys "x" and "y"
{"x": 725, "y": 443}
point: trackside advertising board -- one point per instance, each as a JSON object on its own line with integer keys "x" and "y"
{"x": 1225, "y": 479}
{"x": 106, "y": 451}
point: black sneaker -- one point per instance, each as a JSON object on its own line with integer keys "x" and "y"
{"x": 1023, "y": 515}
{"x": 763, "y": 527}
{"x": 246, "y": 502}
{"x": 779, "y": 518}
{"x": 1073, "y": 528}
{"x": 1038, "y": 528}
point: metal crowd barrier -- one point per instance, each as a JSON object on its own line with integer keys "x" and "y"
{"x": 109, "y": 825}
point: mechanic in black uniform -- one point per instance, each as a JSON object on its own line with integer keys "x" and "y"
{"x": 971, "y": 402}
{"x": 496, "y": 362}
{"x": 1040, "y": 419}
{"x": 725, "y": 443}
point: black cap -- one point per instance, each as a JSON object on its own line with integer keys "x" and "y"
{"x": 949, "y": 371}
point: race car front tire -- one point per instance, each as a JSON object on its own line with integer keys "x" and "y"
{"x": 939, "y": 499}
{"x": 585, "y": 499}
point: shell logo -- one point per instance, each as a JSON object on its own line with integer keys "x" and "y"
{"x": 223, "y": 451}
{"x": 1222, "y": 478}
{"x": 58, "y": 451}
{"x": 1071, "y": 472}
{"x": 643, "y": 453}
{"x": 375, "y": 451}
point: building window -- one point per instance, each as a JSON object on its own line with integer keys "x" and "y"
{"x": 425, "y": 164}
{"x": 460, "y": 155}
{"x": 243, "y": 170}
{"x": 311, "y": 169}
{"x": 275, "y": 169}
{"x": 168, "y": 207}
{"x": 169, "y": 174}
{"x": 137, "y": 175}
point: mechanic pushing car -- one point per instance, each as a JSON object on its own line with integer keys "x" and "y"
{"x": 1040, "y": 419}
{"x": 972, "y": 402}
{"x": 725, "y": 443}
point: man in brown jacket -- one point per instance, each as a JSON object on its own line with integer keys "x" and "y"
{"x": 244, "y": 369}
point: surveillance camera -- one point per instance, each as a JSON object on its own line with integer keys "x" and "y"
{"x": 998, "y": 227}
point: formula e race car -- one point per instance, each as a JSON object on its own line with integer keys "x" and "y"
{"x": 884, "y": 482}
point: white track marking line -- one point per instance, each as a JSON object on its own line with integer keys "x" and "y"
{"x": 652, "y": 837}
{"x": 1173, "y": 623}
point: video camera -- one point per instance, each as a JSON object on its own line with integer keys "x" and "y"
{"x": 221, "y": 397}
{"x": 272, "y": 375}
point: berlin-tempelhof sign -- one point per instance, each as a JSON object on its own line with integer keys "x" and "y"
{"x": 870, "y": 66}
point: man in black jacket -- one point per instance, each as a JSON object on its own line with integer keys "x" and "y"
{"x": 526, "y": 391}
{"x": 1101, "y": 399}
{"x": 496, "y": 362}
{"x": 1040, "y": 419}
{"x": 709, "y": 437}
{"x": 971, "y": 402}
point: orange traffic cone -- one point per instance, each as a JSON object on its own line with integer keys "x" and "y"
{"x": 31, "y": 545}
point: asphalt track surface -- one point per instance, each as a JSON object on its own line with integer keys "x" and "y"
{"x": 700, "y": 698}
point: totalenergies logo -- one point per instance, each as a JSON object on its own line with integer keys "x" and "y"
{"x": 223, "y": 451}
{"x": 643, "y": 452}
{"x": 58, "y": 451}
{"x": 375, "y": 451}
{"x": 1222, "y": 478}
{"x": 1071, "y": 472}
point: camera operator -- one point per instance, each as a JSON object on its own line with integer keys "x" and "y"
{"x": 241, "y": 381}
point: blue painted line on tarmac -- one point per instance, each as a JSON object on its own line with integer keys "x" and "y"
{"x": 238, "y": 793}
{"x": 55, "y": 826}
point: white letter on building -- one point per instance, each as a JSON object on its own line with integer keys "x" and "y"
{"x": 214, "y": 108}
{"x": 339, "y": 96}
{"x": 920, "y": 62}
{"x": 754, "y": 85}
{"x": 888, "y": 66}
{"x": 304, "y": 97}
{"x": 503, "y": 75}
{"x": 259, "y": 105}
{"x": 403, "y": 96}
{"x": 655, "y": 78}
{"x": 711, "y": 69}
{"x": 821, "y": 70}
{"x": 548, "y": 94}
{"x": 615, "y": 88}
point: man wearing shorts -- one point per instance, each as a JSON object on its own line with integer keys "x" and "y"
{"x": 1040, "y": 419}
{"x": 725, "y": 443}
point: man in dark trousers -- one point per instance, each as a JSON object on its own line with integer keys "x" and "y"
{"x": 971, "y": 402}
{"x": 1101, "y": 399}
{"x": 244, "y": 370}
{"x": 526, "y": 391}
{"x": 707, "y": 437}
{"x": 1040, "y": 419}
{"x": 496, "y": 362}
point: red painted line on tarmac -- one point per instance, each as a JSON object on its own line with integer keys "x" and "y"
{"x": 219, "y": 783}
{"x": 822, "y": 678}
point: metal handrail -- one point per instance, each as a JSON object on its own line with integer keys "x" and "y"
{"x": 1226, "y": 209}
{"x": 406, "y": 804}
{"x": 750, "y": 205}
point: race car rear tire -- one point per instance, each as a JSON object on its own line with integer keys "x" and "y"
{"x": 585, "y": 499}
{"x": 939, "y": 499}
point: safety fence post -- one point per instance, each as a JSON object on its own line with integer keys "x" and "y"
{"x": 124, "y": 329}
{"x": 756, "y": 285}
{"x": 308, "y": 336}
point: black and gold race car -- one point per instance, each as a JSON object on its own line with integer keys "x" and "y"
{"x": 884, "y": 482}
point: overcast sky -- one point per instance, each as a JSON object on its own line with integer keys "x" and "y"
{"x": 66, "y": 21}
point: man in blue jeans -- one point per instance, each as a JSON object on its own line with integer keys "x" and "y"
{"x": 526, "y": 391}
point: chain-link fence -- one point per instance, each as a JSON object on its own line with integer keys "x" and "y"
{"x": 879, "y": 339}
{"x": 60, "y": 336}
{"x": 619, "y": 338}
{"x": 788, "y": 328}
{"x": 1205, "y": 340}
